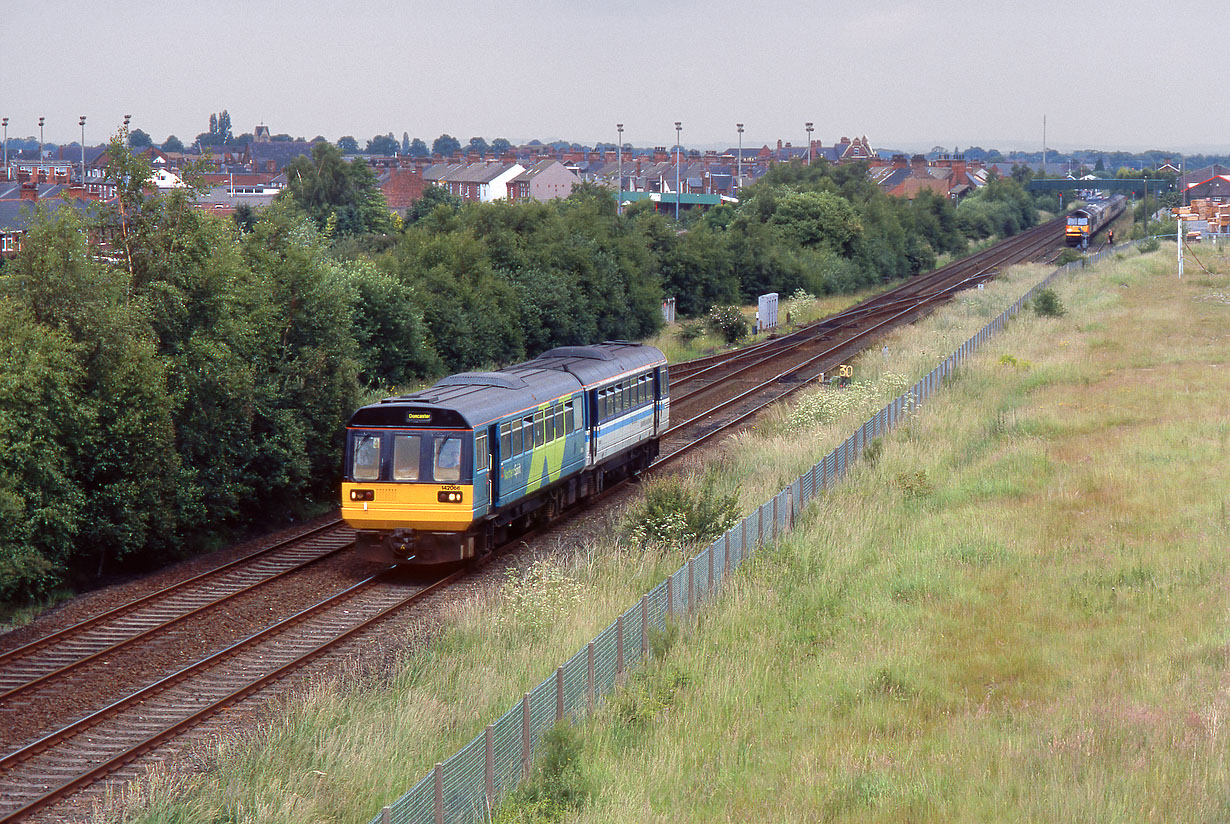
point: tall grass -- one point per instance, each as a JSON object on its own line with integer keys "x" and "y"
{"x": 1016, "y": 612}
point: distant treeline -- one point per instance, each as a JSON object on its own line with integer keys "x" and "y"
{"x": 195, "y": 380}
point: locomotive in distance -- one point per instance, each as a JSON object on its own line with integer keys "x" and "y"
{"x": 446, "y": 474}
{"x": 1087, "y": 221}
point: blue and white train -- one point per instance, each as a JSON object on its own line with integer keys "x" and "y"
{"x": 445, "y": 474}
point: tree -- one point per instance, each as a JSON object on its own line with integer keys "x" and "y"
{"x": 433, "y": 198}
{"x": 338, "y": 195}
{"x": 138, "y": 139}
{"x": 478, "y": 146}
{"x": 418, "y": 148}
{"x": 445, "y": 145}
{"x": 500, "y": 145}
{"x": 347, "y": 144}
{"x": 405, "y": 143}
{"x": 219, "y": 133}
{"x": 382, "y": 144}
{"x": 173, "y": 144}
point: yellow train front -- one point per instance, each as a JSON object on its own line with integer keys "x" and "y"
{"x": 442, "y": 475}
{"x": 409, "y": 485}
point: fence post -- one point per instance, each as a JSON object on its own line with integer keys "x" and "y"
{"x": 726, "y": 557}
{"x": 790, "y": 507}
{"x": 525, "y": 736}
{"x": 709, "y": 580}
{"x": 645, "y": 625}
{"x": 386, "y": 815}
{"x": 691, "y": 587}
{"x": 559, "y": 693}
{"x": 670, "y": 596}
{"x": 439, "y": 793}
{"x": 589, "y": 683}
{"x": 619, "y": 647}
{"x": 489, "y": 765}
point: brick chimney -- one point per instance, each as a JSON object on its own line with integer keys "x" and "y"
{"x": 29, "y": 191}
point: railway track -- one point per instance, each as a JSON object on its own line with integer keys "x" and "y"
{"x": 712, "y": 395}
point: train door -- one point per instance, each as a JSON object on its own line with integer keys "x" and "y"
{"x": 482, "y": 472}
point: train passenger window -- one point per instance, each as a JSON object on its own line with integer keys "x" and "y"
{"x": 527, "y": 426}
{"x": 540, "y": 434}
{"x": 560, "y": 429}
{"x": 448, "y": 458}
{"x": 481, "y": 454}
{"x": 366, "y": 457}
{"x": 406, "y": 451}
{"x": 624, "y": 395}
{"x": 516, "y": 438}
{"x": 505, "y": 441}
{"x": 569, "y": 419}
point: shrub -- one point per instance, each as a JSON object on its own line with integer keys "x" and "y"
{"x": 1047, "y": 304}
{"x": 690, "y": 331}
{"x": 674, "y": 513}
{"x": 558, "y": 784}
{"x": 1068, "y": 256}
{"x": 1148, "y": 245}
{"x": 728, "y": 322}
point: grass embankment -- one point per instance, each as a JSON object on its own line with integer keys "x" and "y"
{"x": 1016, "y": 613}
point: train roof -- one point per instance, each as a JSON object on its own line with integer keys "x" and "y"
{"x": 473, "y": 399}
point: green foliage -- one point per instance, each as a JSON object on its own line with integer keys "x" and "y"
{"x": 1014, "y": 362}
{"x": 676, "y": 513}
{"x": 1068, "y": 256}
{"x": 1148, "y": 245}
{"x": 383, "y": 144}
{"x": 691, "y": 330}
{"x": 338, "y": 195}
{"x": 559, "y": 784}
{"x": 445, "y": 145}
{"x": 1047, "y": 304}
{"x": 1001, "y": 208}
{"x": 914, "y": 484}
{"x": 728, "y": 322}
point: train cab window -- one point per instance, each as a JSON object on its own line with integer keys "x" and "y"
{"x": 666, "y": 383}
{"x": 448, "y": 459}
{"x": 602, "y": 411}
{"x": 366, "y": 457}
{"x": 406, "y": 452}
{"x": 569, "y": 418}
{"x": 482, "y": 457}
{"x": 505, "y": 441}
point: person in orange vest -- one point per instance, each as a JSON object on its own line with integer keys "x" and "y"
{"x": 1110, "y": 237}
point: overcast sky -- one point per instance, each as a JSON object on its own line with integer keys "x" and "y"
{"x": 952, "y": 73}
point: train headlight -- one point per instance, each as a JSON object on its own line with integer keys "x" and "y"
{"x": 362, "y": 495}
{"x": 449, "y": 497}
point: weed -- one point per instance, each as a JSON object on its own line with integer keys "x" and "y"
{"x": 873, "y": 451}
{"x": 798, "y": 303}
{"x": 1148, "y": 245}
{"x": 1011, "y": 360}
{"x": 647, "y": 693}
{"x": 1068, "y": 256}
{"x": 915, "y": 484}
{"x": 537, "y": 597}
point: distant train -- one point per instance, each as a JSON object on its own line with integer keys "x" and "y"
{"x": 445, "y": 474}
{"x": 1085, "y": 222}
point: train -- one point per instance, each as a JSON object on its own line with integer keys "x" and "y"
{"x": 444, "y": 475}
{"x": 1085, "y": 222}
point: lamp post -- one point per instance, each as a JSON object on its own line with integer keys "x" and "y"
{"x": 678, "y": 138}
{"x": 619, "y": 161}
{"x": 6, "y": 148}
{"x": 40, "y": 139}
{"x": 739, "y": 160}
{"x": 808, "y": 126}
{"x": 127, "y": 118}
{"x": 82, "y": 123}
